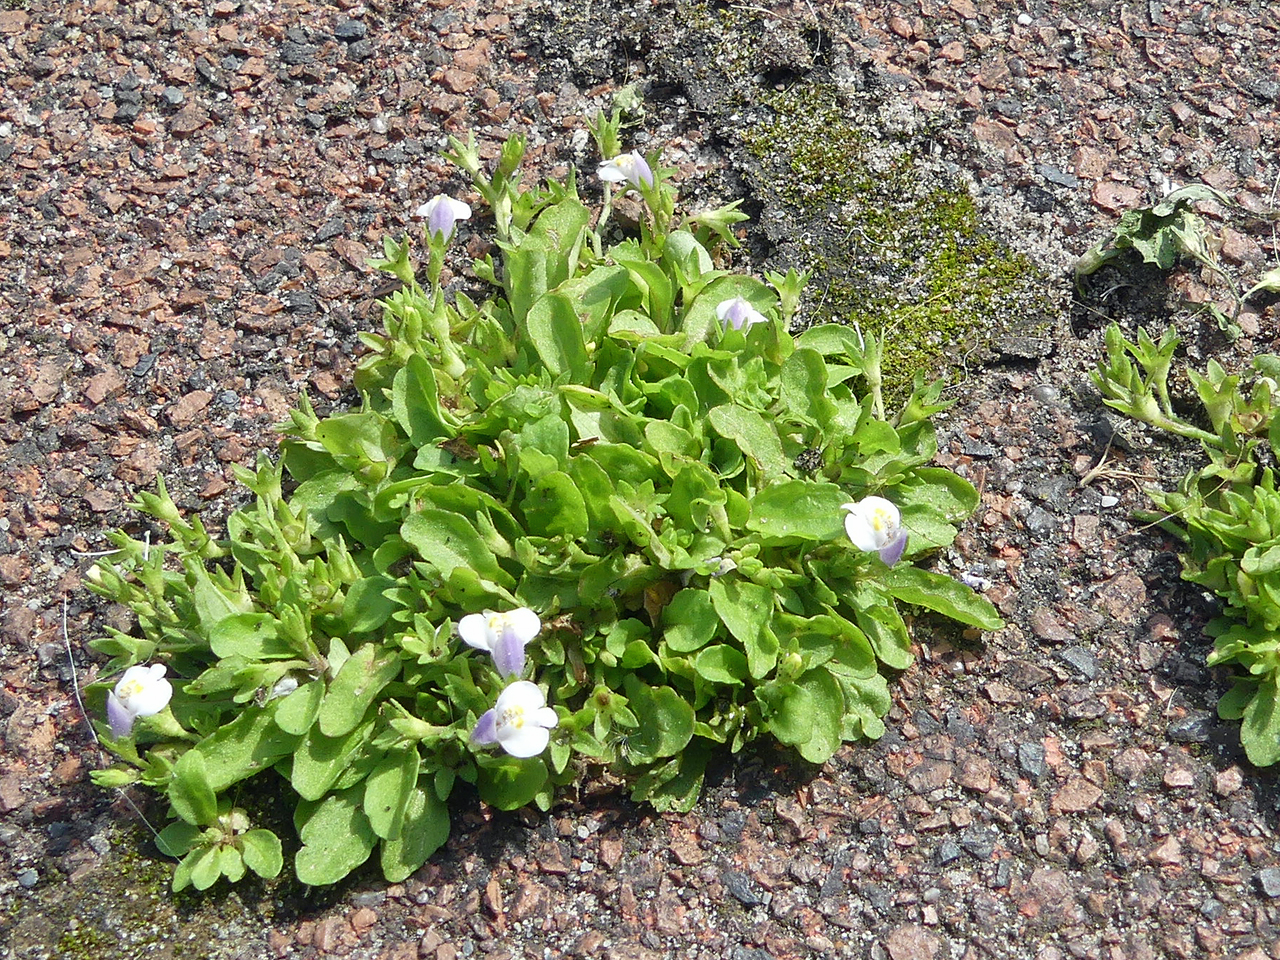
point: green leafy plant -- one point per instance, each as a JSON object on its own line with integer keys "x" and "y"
{"x": 612, "y": 516}
{"x": 1170, "y": 231}
{"x": 1226, "y": 512}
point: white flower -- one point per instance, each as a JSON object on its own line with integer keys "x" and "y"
{"x": 630, "y": 168}
{"x": 141, "y": 692}
{"x": 875, "y": 525}
{"x": 520, "y": 722}
{"x": 442, "y": 214}
{"x": 503, "y": 635}
{"x": 739, "y": 314}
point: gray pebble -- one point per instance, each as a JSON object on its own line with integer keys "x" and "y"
{"x": 350, "y": 30}
{"x": 28, "y": 878}
{"x": 1031, "y": 759}
{"x": 1084, "y": 662}
{"x": 369, "y": 898}
{"x": 1193, "y": 728}
{"x": 1269, "y": 881}
{"x": 948, "y": 850}
{"x": 740, "y": 888}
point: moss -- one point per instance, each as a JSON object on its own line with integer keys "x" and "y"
{"x": 124, "y": 907}
{"x": 894, "y": 245}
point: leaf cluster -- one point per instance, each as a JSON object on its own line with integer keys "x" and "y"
{"x": 1227, "y": 512}
{"x": 588, "y": 441}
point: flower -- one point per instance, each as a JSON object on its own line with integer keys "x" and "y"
{"x": 874, "y": 524}
{"x": 442, "y": 213}
{"x": 520, "y": 722}
{"x": 631, "y": 168}
{"x": 141, "y": 692}
{"x": 504, "y": 635}
{"x": 739, "y": 314}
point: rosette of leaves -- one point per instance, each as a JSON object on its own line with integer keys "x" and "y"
{"x": 587, "y": 441}
{"x": 1227, "y": 512}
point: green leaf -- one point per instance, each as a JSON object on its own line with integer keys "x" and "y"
{"x": 755, "y": 436}
{"x": 297, "y": 712}
{"x": 261, "y": 852}
{"x": 446, "y": 540}
{"x": 1260, "y": 724}
{"x": 253, "y": 636}
{"x": 336, "y": 838}
{"x": 387, "y": 791}
{"x": 803, "y": 388}
{"x": 806, "y": 714}
{"x": 415, "y": 402}
{"x": 321, "y": 760}
{"x": 245, "y": 746}
{"x": 721, "y": 663}
{"x": 556, "y": 334}
{"x": 834, "y": 340}
{"x": 212, "y": 602}
{"x": 554, "y": 507}
{"x": 230, "y": 862}
{"x": 799, "y": 509}
{"x": 425, "y": 830}
{"x": 509, "y": 783}
{"x": 358, "y": 437}
{"x": 866, "y": 700}
{"x": 746, "y": 609}
{"x": 689, "y": 621}
{"x": 674, "y": 786}
{"x": 941, "y": 594}
{"x": 666, "y": 721}
{"x": 352, "y": 691}
{"x": 883, "y": 627}
{"x": 203, "y": 870}
{"x": 367, "y": 607}
{"x": 189, "y": 791}
{"x": 545, "y": 257}
{"x": 178, "y": 838}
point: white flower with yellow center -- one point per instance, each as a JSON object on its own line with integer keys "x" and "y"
{"x": 141, "y": 692}
{"x": 875, "y": 525}
{"x": 503, "y": 635}
{"x": 520, "y": 722}
{"x": 631, "y": 168}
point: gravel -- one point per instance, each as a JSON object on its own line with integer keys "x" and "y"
{"x": 193, "y": 192}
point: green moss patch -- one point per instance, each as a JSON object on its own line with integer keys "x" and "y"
{"x": 897, "y": 245}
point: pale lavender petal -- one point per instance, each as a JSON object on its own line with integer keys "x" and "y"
{"x": 118, "y": 717}
{"x": 508, "y": 652}
{"x": 486, "y": 731}
{"x": 641, "y": 174}
{"x": 892, "y": 551}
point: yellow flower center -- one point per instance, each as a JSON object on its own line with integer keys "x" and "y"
{"x": 512, "y": 717}
{"x": 130, "y": 689}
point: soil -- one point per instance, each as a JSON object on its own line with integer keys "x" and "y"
{"x": 193, "y": 192}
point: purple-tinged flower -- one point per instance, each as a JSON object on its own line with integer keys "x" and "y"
{"x": 503, "y": 635}
{"x": 739, "y": 314}
{"x": 520, "y": 722}
{"x": 442, "y": 214}
{"x": 141, "y": 692}
{"x": 875, "y": 525}
{"x": 630, "y": 168}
